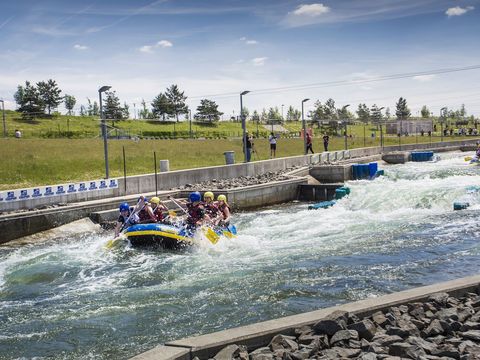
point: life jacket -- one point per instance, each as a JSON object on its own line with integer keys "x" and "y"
{"x": 222, "y": 208}
{"x": 158, "y": 213}
{"x": 196, "y": 212}
{"x": 143, "y": 215}
{"x": 211, "y": 208}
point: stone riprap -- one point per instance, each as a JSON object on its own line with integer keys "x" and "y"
{"x": 238, "y": 181}
{"x": 443, "y": 327}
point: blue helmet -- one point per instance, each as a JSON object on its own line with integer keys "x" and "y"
{"x": 124, "y": 207}
{"x": 194, "y": 196}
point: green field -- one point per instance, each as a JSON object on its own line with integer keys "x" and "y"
{"x": 31, "y": 162}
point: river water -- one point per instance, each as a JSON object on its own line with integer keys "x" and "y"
{"x": 64, "y": 296}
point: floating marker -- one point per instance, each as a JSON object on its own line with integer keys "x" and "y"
{"x": 460, "y": 205}
{"x": 321, "y": 205}
{"x": 422, "y": 156}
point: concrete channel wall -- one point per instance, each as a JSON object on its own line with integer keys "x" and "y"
{"x": 257, "y": 335}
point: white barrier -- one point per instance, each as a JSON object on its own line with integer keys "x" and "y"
{"x": 57, "y": 190}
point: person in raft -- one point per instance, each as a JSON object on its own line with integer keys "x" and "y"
{"x": 209, "y": 205}
{"x": 196, "y": 211}
{"x": 126, "y": 218}
{"x": 158, "y": 209}
{"x": 224, "y": 209}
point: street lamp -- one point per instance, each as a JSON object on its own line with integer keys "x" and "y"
{"x": 104, "y": 128}
{"x": 3, "y": 116}
{"x": 244, "y": 125}
{"x": 441, "y": 121}
{"x": 345, "y": 123}
{"x": 190, "y": 118}
{"x": 282, "y": 113}
{"x": 304, "y": 129}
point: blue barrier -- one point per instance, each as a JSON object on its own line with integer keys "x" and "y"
{"x": 364, "y": 171}
{"x": 372, "y": 170}
{"x": 422, "y": 156}
{"x": 460, "y": 205}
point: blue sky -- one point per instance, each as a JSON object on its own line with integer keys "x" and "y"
{"x": 223, "y": 47}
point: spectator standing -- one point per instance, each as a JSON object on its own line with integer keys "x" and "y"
{"x": 18, "y": 134}
{"x": 248, "y": 145}
{"x": 326, "y": 140}
{"x": 272, "y": 139}
{"x": 309, "y": 142}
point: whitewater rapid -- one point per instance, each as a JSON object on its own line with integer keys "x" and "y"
{"x": 62, "y": 295}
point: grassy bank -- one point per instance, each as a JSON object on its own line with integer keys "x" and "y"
{"x": 31, "y": 162}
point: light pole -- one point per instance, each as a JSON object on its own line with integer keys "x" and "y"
{"x": 345, "y": 123}
{"x": 304, "y": 129}
{"x": 282, "y": 113}
{"x": 244, "y": 125}
{"x": 104, "y": 128}
{"x": 441, "y": 121}
{"x": 190, "y": 118}
{"x": 3, "y": 116}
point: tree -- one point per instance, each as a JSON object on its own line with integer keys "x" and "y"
{"x": 343, "y": 113}
{"x": 255, "y": 116}
{"x": 387, "y": 113}
{"x": 246, "y": 113}
{"x": 376, "y": 114}
{"x": 112, "y": 109}
{"x": 274, "y": 114}
{"x": 49, "y": 93}
{"x": 264, "y": 116}
{"x": 70, "y": 102}
{"x": 144, "y": 112}
{"x": 93, "y": 109}
{"x": 293, "y": 114}
{"x": 425, "y": 112}
{"x": 176, "y": 99}
{"x": 363, "y": 113}
{"x": 402, "y": 111}
{"x": 208, "y": 110}
{"x": 29, "y": 101}
{"x": 161, "y": 107}
{"x": 83, "y": 111}
{"x": 125, "y": 111}
{"x": 319, "y": 113}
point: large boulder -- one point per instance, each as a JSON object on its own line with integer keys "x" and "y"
{"x": 366, "y": 329}
{"x": 332, "y": 323}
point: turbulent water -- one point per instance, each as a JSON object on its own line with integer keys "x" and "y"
{"x": 64, "y": 296}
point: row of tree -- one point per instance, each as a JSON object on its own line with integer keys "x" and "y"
{"x": 40, "y": 98}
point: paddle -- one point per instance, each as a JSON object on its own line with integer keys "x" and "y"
{"x": 209, "y": 233}
{"x": 110, "y": 243}
{"x": 468, "y": 158}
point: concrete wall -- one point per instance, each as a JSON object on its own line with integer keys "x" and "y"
{"x": 257, "y": 335}
{"x": 165, "y": 181}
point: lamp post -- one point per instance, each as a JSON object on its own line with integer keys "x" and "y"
{"x": 3, "y": 116}
{"x": 244, "y": 125}
{"x": 345, "y": 124}
{"x": 441, "y": 121}
{"x": 304, "y": 129}
{"x": 104, "y": 128}
{"x": 190, "y": 118}
{"x": 282, "y": 113}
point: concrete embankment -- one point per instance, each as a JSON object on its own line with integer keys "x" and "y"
{"x": 260, "y": 335}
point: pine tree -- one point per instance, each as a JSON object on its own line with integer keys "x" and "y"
{"x": 49, "y": 93}
{"x": 425, "y": 112}
{"x": 363, "y": 113}
{"x": 112, "y": 109}
{"x": 29, "y": 101}
{"x": 161, "y": 107}
{"x": 402, "y": 111}
{"x": 376, "y": 114}
{"x": 176, "y": 99}
{"x": 208, "y": 111}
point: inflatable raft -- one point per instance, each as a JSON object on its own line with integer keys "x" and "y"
{"x": 158, "y": 235}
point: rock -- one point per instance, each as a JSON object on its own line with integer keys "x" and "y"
{"x": 365, "y": 328}
{"x": 379, "y": 319}
{"x": 471, "y": 335}
{"x": 280, "y": 342}
{"x": 341, "y": 353}
{"x": 435, "y": 328}
{"x": 344, "y": 335}
{"x": 262, "y": 353}
{"x": 386, "y": 340}
{"x": 332, "y": 323}
{"x": 368, "y": 356}
{"x": 301, "y": 354}
{"x": 446, "y": 351}
{"x": 446, "y": 314}
{"x": 393, "y": 330}
{"x": 439, "y": 298}
{"x": 470, "y": 325}
{"x": 425, "y": 345}
{"x": 228, "y": 353}
{"x": 303, "y": 330}
{"x": 405, "y": 350}
{"x": 468, "y": 347}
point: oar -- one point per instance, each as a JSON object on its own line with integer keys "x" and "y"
{"x": 209, "y": 233}
{"x": 468, "y": 158}
{"x": 110, "y": 243}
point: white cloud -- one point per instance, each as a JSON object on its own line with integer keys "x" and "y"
{"x": 424, "y": 78}
{"x": 251, "y": 42}
{"x": 164, "y": 43}
{"x": 150, "y": 48}
{"x": 80, "y": 47}
{"x": 146, "y": 49}
{"x": 259, "y": 61}
{"x": 457, "y": 10}
{"x": 311, "y": 10}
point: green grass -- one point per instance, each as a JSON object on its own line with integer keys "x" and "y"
{"x": 31, "y": 162}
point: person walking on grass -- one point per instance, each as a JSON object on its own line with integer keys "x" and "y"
{"x": 272, "y": 139}
{"x": 326, "y": 140}
{"x": 309, "y": 142}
